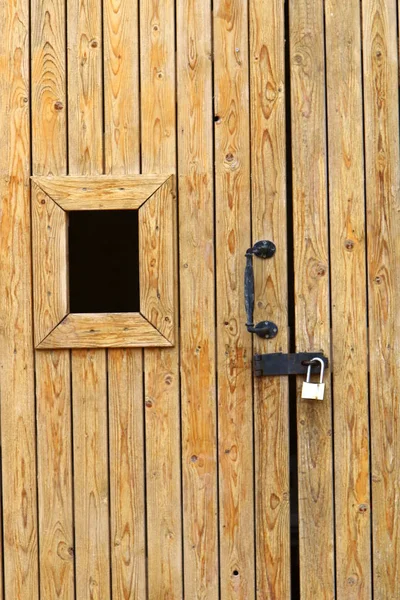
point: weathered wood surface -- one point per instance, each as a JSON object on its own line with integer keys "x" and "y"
{"x": 50, "y": 263}
{"x": 125, "y": 367}
{"x": 157, "y": 227}
{"x": 89, "y": 391}
{"x": 100, "y": 193}
{"x": 121, "y": 87}
{"x": 197, "y": 301}
{"x": 271, "y": 400}
{"x": 53, "y": 394}
{"x": 349, "y": 300}
{"x": 127, "y": 498}
{"x": 89, "y": 394}
{"x": 380, "y": 52}
{"x": 19, "y": 545}
{"x": 311, "y": 269}
{"x": 104, "y": 330}
{"x": 130, "y": 429}
{"x": 161, "y": 367}
{"x": 57, "y": 552}
{"x": 49, "y": 103}
{"x": 234, "y": 343}
{"x": 85, "y": 91}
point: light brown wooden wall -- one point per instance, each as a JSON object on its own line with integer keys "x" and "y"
{"x": 164, "y": 473}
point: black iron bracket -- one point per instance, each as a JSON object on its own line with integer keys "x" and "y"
{"x": 264, "y": 329}
{"x": 284, "y": 364}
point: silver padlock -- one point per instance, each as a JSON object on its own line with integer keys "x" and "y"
{"x": 314, "y": 391}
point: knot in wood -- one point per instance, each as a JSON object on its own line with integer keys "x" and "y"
{"x": 349, "y": 244}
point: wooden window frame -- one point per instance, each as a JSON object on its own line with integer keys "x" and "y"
{"x": 154, "y": 198}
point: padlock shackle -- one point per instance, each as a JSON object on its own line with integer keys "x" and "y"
{"x": 321, "y": 362}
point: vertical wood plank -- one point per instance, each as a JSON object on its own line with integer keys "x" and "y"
{"x": 19, "y": 502}
{"x": 49, "y": 110}
{"x": 49, "y": 265}
{"x": 55, "y": 474}
{"x": 85, "y": 87}
{"x": 125, "y": 367}
{"x": 349, "y": 301}
{"x": 268, "y": 169}
{"x": 162, "y": 419}
{"x": 197, "y": 305}
{"x": 383, "y": 237}
{"x": 121, "y": 87}
{"x": 314, "y": 420}
{"x": 234, "y": 343}
{"x": 89, "y": 391}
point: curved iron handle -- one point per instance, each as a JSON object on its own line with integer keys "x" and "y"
{"x": 264, "y": 329}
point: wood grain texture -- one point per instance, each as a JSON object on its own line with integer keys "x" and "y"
{"x": 103, "y": 192}
{"x": 19, "y": 504}
{"x": 49, "y": 107}
{"x": 104, "y": 330}
{"x": 121, "y": 86}
{"x": 268, "y": 168}
{"x": 349, "y": 301}
{"x": 125, "y": 367}
{"x": 197, "y": 303}
{"x": 50, "y": 263}
{"x": 125, "y": 385}
{"x": 85, "y": 98}
{"x": 90, "y": 435}
{"x": 89, "y": 389}
{"x": 162, "y": 420}
{"x": 53, "y": 395}
{"x": 157, "y": 245}
{"x": 234, "y": 343}
{"x": 311, "y": 268}
{"x": 383, "y": 237}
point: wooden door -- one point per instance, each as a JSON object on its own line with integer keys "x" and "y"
{"x": 170, "y": 472}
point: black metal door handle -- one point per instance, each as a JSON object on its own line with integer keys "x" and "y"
{"x": 264, "y": 329}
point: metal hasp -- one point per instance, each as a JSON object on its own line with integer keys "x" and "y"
{"x": 264, "y": 329}
{"x": 278, "y": 364}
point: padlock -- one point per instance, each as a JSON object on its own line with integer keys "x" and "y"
{"x": 314, "y": 391}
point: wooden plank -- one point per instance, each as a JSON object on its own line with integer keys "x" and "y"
{"x": 162, "y": 419}
{"x": 50, "y": 263}
{"x": 349, "y": 301}
{"x": 268, "y": 168}
{"x": 53, "y": 398}
{"x": 85, "y": 101}
{"x": 121, "y": 86}
{"x": 125, "y": 367}
{"x": 125, "y": 386}
{"x": 383, "y": 239}
{"x": 48, "y": 87}
{"x": 85, "y": 98}
{"x": 104, "y": 330}
{"x": 234, "y": 343}
{"x": 156, "y": 259}
{"x": 89, "y": 389}
{"x": 19, "y": 504}
{"x": 55, "y": 474}
{"x": 103, "y": 192}
{"x": 197, "y": 304}
{"x": 314, "y": 420}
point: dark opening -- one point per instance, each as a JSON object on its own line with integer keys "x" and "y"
{"x": 103, "y": 261}
{"x": 294, "y": 484}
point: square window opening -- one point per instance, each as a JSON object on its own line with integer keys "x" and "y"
{"x": 103, "y": 261}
